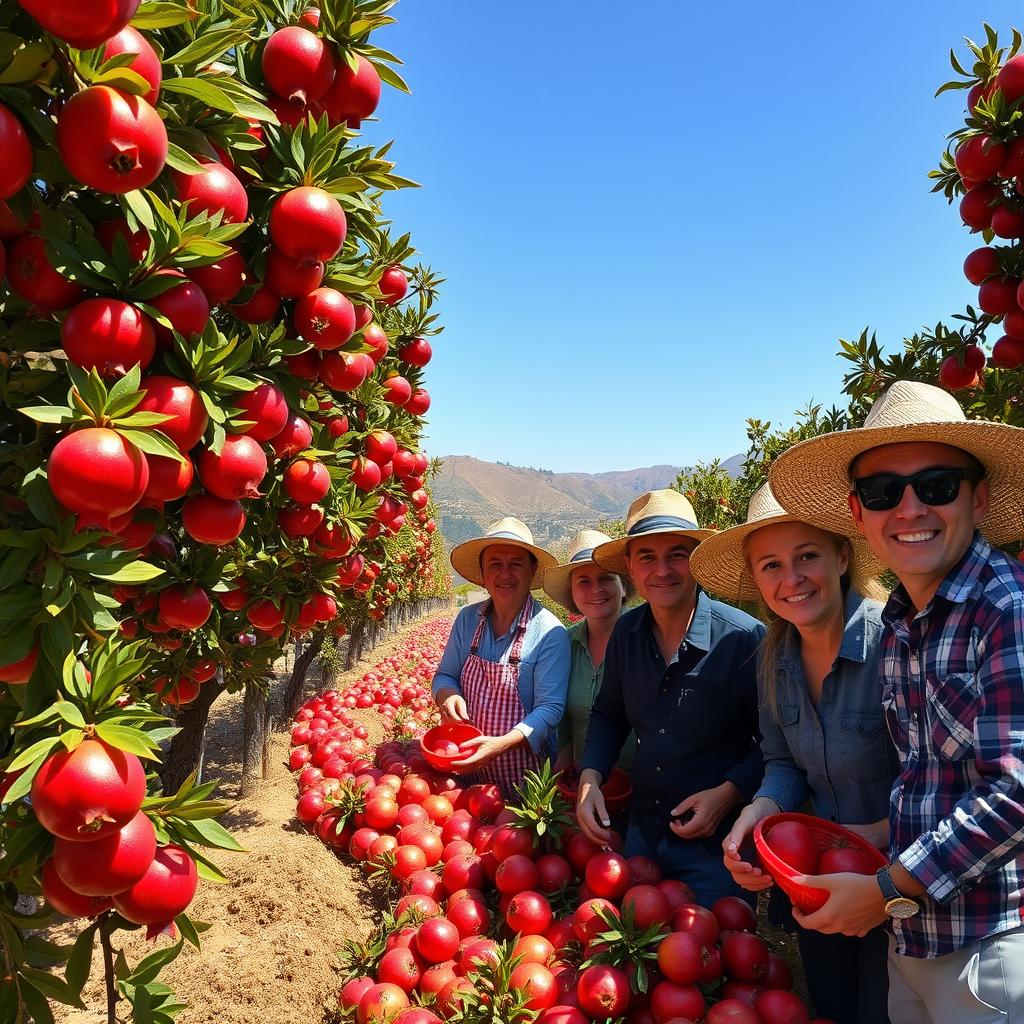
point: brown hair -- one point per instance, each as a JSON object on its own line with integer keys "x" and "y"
{"x": 779, "y": 632}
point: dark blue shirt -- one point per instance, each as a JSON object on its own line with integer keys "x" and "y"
{"x": 695, "y": 720}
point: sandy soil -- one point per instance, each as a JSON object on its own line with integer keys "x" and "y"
{"x": 270, "y": 955}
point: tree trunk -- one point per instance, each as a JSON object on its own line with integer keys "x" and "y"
{"x": 291, "y": 698}
{"x": 255, "y": 736}
{"x": 187, "y": 751}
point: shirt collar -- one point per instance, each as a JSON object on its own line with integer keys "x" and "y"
{"x": 699, "y": 633}
{"x": 854, "y": 645}
{"x": 578, "y": 633}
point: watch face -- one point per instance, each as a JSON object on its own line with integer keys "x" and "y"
{"x": 902, "y": 907}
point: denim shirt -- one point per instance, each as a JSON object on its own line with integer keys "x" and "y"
{"x": 840, "y": 753}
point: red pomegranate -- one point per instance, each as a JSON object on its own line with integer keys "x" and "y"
{"x": 265, "y": 407}
{"x": 397, "y": 390}
{"x": 365, "y": 473}
{"x": 173, "y": 397}
{"x": 291, "y": 278}
{"x": 163, "y": 892}
{"x": 214, "y": 190}
{"x": 16, "y": 168}
{"x": 109, "y": 336}
{"x": 31, "y": 275}
{"x": 111, "y": 141}
{"x": 261, "y": 307}
{"x": 89, "y": 792}
{"x": 136, "y": 241}
{"x": 66, "y": 901}
{"x": 236, "y": 471}
{"x": 603, "y": 991}
{"x": 418, "y": 402}
{"x": 394, "y": 285}
{"x": 177, "y": 692}
{"x": 307, "y": 223}
{"x": 381, "y": 446}
{"x": 108, "y": 865}
{"x": 146, "y": 62}
{"x": 342, "y": 371}
{"x": 184, "y": 304}
{"x": 295, "y": 436}
{"x": 325, "y": 318}
{"x": 221, "y": 280}
{"x": 297, "y": 65}
{"x": 355, "y": 94}
{"x": 184, "y": 606}
{"x": 300, "y": 520}
{"x": 84, "y": 26}
{"x": 416, "y": 352}
{"x": 18, "y": 672}
{"x": 95, "y": 470}
{"x": 212, "y": 520}
{"x": 306, "y": 481}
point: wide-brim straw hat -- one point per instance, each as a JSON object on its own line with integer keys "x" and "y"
{"x": 664, "y": 511}
{"x": 558, "y": 579}
{"x": 811, "y": 480}
{"x": 465, "y": 557}
{"x": 719, "y": 564}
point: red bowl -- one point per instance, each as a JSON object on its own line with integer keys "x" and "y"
{"x": 617, "y": 790}
{"x": 826, "y": 835}
{"x": 453, "y": 732}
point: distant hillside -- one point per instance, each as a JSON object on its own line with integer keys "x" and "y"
{"x": 471, "y": 494}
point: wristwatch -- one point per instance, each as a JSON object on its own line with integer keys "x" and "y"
{"x": 896, "y": 904}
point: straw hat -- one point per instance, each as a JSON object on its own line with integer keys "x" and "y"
{"x": 719, "y": 564}
{"x": 466, "y": 556}
{"x": 558, "y": 579}
{"x": 664, "y": 511}
{"x": 811, "y": 479}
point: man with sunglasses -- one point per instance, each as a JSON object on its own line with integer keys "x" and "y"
{"x": 931, "y": 492}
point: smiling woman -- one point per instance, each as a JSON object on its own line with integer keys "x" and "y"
{"x": 506, "y": 666}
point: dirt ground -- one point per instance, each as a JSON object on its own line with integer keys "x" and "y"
{"x": 271, "y": 953}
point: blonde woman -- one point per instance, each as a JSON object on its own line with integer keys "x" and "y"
{"x": 823, "y": 731}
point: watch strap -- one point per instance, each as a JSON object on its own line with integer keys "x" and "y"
{"x": 887, "y": 885}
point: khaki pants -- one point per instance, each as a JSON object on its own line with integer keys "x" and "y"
{"x": 980, "y": 984}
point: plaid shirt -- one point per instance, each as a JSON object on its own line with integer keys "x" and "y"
{"x": 953, "y": 691}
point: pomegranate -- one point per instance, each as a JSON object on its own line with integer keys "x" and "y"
{"x": 954, "y": 376}
{"x": 261, "y": 307}
{"x": 95, "y": 470}
{"x": 999, "y": 295}
{"x": 670, "y": 1001}
{"x": 734, "y": 914}
{"x": 603, "y": 991}
{"x": 16, "y": 168}
{"x": 794, "y": 844}
{"x": 397, "y": 390}
{"x": 365, "y": 473}
{"x": 184, "y": 606}
{"x": 212, "y": 520}
{"x": 20, "y": 671}
{"x": 89, "y": 792}
{"x": 266, "y": 407}
{"x": 607, "y": 875}
{"x": 307, "y": 223}
{"x": 295, "y": 436}
{"x": 418, "y": 402}
{"x": 682, "y": 957}
{"x": 976, "y": 206}
{"x": 416, "y": 352}
{"x": 393, "y": 285}
{"x": 978, "y": 157}
{"x": 306, "y": 481}
{"x": 236, "y": 471}
{"x": 1008, "y": 353}
{"x": 185, "y": 305}
{"x": 745, "y": 956}
{"x": 84, "y": 26}
{"x": 108, "y": 865}
{"x": 381, "y": 1003}
{"x": 777, "y": 1006}
{"x": 31, "y": 275}
{"x": 163, "y": 892}
{"x": 137, "y": 242}
{"x": 980, "y": 264}
{"x": 297, "y": 65}
{"x": 291, "y": 278}
{"x": 146, "y": 63}
{"x": 214, "y": 190}
{"x": 1010, "y": 80}
{"x": 111, "y": 141}
{"x": 300, "y": 520}
{"x": 341, "y": 371}
{"x": 354, "y": 95}
{"x": 325, "y": 318}
{"x": 66, "y": 901}
{"x": 109, "y": 336}
{"x": 221, "y": 280}
{"x": 172, "y": 397}
{"x": 528, "y": 913}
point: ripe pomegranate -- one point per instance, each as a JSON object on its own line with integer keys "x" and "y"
{"x": 777, "y": 1006}
{"x": 184, "y": 606}
{"x": 976, "y": 206}
{"x": 267, "y": 408}
{"x": 307, "y": 223}
{"x": 794, "y": 844}
{"x": 66, "y": 901}
{"x": 956, "y": 377}
{"x": 89, "y": 792}
{"x": 397, "y": 390}
{"x": 291, "y": 278}
{"x": 20, "y": 671}
{"x": 261, "y": 307}
{"x": 607, "y": 875}
{"x": 416, "y": 352}
{"x": 649, "y": 905}
{"x": 1008, "y": 353}
{"x": 732, "y": 1011}
{"x": 221, "y": 280}
{"x": 16, "y": 168}
{"x": 306, "y": 481}
{"x": 325, "y": 318}
{"x": 108, "y": 335}
{"x": 163, "y": 892}
{"x": 342, "y": 371}
{"x": 394, "y": 285}
{"x": 111, "y": 141}
{"x": 84, "y": 26}
{"x": 528, "y": 913}
{"x": 295, "y": 436}
{"x": 999, "y": 295}
{"x": 297, "y": 65}
{"x": 172, "y": 397}
{"x": 1010, "y": 80}
{"x": 136, "y": 241}
{"x": 236, "y": 471}
{"x": 146, "y": 62}
{"x": 980, "y": 264}
{"x": 108, "y": 865}
{"x": 95, "y": 470}
{"x": 354, "y": 94}
{"x": 381, "y": 1003}
{"x": 418, "y": 403}
{"x": 745, "y": 956}
{"x": 603, "y": 991}
{"x": 979, "y": 157}
{"x": 212, "y": 520}
{"x": 734, "y": 914}
{"x": 214, "y": 190}
{"x": 300, "y": 520}
{"x": 381, "y": 446}
{"x": 365, "y": 473}
{"x": 184, "y": 304}
{"x": 31, "y": 275}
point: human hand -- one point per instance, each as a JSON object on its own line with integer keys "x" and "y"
{"x": 746, "y": 875}
{"x": 855, "y": 904}
{"x": 705, "y": 811}
{"x": 591, "y": 811}
{"x": 452, "y": 706}
{"x": 482, "y": 749}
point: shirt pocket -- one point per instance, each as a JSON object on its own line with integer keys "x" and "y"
{"x": 953, "y": 703}
{"x": 866, "y": 744}
{"x": 699, "y": 717}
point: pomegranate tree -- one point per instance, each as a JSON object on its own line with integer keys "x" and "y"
{"x": 200, "y": 306}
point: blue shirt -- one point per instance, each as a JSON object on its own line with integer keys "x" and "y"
{"x": 543, "y": 668}
{"x": 695, "y": 720}
{"x": 839, "y": 752}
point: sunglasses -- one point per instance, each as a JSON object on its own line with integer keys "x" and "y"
{"x": 940, "y": 486}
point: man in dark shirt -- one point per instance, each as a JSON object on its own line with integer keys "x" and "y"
{"x": 680, "y": 673}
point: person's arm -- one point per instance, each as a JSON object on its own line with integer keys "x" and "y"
{"x": 746, "y": 776}
{"x": 550, "y": 683}
{"x": 609, "y": 722}
{"x": 785, "y": 782}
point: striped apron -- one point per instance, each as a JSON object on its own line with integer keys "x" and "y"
{"x": 491, "y": 689}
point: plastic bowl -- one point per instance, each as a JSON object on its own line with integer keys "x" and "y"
{"x": 453, "y": 732}
{"x": 617, "y": 790}
{"x": 826, "y": 835}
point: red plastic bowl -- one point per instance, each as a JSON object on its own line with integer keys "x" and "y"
{"x": 454, "y": 732}
{"x": 826, "y": 835}
{"x": 617, "y": 790}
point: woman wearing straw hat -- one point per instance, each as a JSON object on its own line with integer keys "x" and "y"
{"x": 506, "y": 664}
{"x": 823, "y": 733}
{"x": 582, "y": 587}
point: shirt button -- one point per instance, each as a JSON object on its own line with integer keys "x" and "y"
{"x": 662, "y": 731}
{"x": 658, "y": 769}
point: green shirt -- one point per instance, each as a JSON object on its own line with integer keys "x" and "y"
{"x": 584, "y": 683}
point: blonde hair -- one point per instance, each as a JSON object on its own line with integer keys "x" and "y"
{"x": 779, "y": 632}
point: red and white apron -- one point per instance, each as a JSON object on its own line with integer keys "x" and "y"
{"x": 491, "y": 689}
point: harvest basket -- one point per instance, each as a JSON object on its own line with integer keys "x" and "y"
{"x": 453, "y": 732}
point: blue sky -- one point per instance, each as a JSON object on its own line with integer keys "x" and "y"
{"x": 655, "y": 220}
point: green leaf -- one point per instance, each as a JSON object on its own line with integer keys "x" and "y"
{"x": 71, "y": 714}
{"x": 134, "y": 572}
{"x": 123, "y": 79}
{"x": 389, "y": 75}
{"x": 136, "y": 202}
{"x": 59, "y": 414}
{"x": 80, "y": 962}
{"x": 37, "y": 752}
{"x": 36, "y": 1004}
{"x": 52, "y": 987}
{"x": 152, "y": 442}
{"x": 180, "y": 160}
{"x": 161, "y": 14}
{"x": 147, "y": 969}
{"x": 212, "y": 834}
{"x": 208, "y": 47}
{"x": 126, "y": 738}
